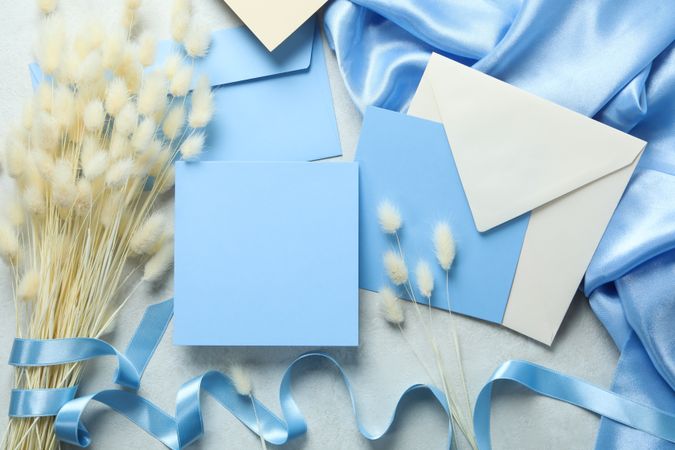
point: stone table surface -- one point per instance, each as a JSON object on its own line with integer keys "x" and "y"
{"x": 380, "y": 369}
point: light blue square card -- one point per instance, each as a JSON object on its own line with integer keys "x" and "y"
{"x": 266, "y": 254}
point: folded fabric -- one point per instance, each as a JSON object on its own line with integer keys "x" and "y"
{"x": 266, "y": 253}
{"x": 268, "y": 106}
{"x": 611, "y": 60}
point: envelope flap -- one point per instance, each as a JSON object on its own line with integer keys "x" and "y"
{"x": 515, "y": 151}
{"x": 236, "y": 55}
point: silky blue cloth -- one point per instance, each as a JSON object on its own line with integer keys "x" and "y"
{"x": 609, "y": 59}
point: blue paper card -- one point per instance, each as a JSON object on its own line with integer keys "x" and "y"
{"x": 266, "y": 254}
{"x": 407, "y": 161}
{"x": 269, "y": 106}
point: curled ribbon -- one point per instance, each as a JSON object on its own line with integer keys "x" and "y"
{"x": 187, "y": 426}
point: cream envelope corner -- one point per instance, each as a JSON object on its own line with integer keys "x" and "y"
{"x": 272, "y": 21}
{"x": 516, "y": 152}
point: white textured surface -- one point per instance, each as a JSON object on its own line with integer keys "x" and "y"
{"x": 380, "y": 369}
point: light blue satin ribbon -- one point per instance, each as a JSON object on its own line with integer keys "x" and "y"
{"x": 187, "y": 425}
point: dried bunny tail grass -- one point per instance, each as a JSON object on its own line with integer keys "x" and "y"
{"x": 192, "y": 146}
{"x": 64, "y": 104}
{"x": 116, "y": 97}
{"x": 127, "y": 119}
{"x": 119, "y": 172}
{"x": 241, "y": 380}
{"x": 15, "y": 213}
{"x": 152, "y": 96}
{"x": 28, "y": 286}
{"x": 202, "y": 104}
{"x": 197, "y": 40}
{"x": 147, "y": 45}
{"x": 425, "y": 279}
{"x": 89, "y": 37}
{"x": 94, "y": 116}
{"x": 174, "y": 121}
{"x": 46, "y": 132}
{"x": 47, "y": 6}
{"x": 50, "y": 45}
{"x": 181, "y": 14}
{"x": 143, "y": 135}
{"x": 389, "y": 217}
{"x": 149, "y": 234}
{"x": 92, "y": 69}
{"x": 180, "y": 80}
{"x": 159, "y": 263}
{"x": 171, "y": 65}
{"x": 113, "y": 48}
{"x": 15, "y": 155}
{"x": 34, "y": 199}
{"x": 391, "y": 307}
{"x": 9, "y": 242}
{"x": 64, "y": 191}
{"x": 444, "y": 245}
{"x": 85, "y": 197}
{"x": 395, "y": 267}
{"x": 95, "y": 165}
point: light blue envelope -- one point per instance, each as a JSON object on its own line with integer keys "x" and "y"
{"x": 266, "y": 253}
{"x": 273, "y": 106}
{"x": 407, "y": 161}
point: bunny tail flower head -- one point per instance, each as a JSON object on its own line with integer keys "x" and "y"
{"x": 391, "y": 307}
{"x": 425, "y": 279}
{"x": 192, "y": 146}
{"x": 389, "y": 217}
{"x": 202, "y": 104}
{"x": 241, "y": 380}
{"x": 444, "y": 245}
{"x": 395, "y": 267}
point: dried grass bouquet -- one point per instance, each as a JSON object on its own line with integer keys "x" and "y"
{"x": 90, "y": 157}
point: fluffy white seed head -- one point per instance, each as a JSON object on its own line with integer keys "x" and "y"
{"x": 15, "y": 154}
{"x": 9, "y": 242}
{"x": 197, "y": 40}
{"x": 148, "y": 235}
{"x": 159, "y": 263}
{"x": 173, "y": 62}
{"x": 180, "y": 81}
{"x": 147, "y": 44}
{"x": 50, "y": 44}
{"x": 241, "y": 380}
{"x": 192, "y": 147}
{"x": 389, "y": 217}
{"x": 395, "y": 267}
{"x": 202, "y": 108}
{"x": 391, "y": 307}
{"x": 47, "y": 6}
{"x": 64, "y": 105}
{"x": 84, "y": 198}
{"x": 94, "y": 116}
{"x": 15, "y": 213}
{"x": 444, "y": 245}
{"x": 152, "y": 96}
{"x": 143, "y": 135}
{"x": 91, "y": 69}
{"x": 116, "y": 96}
{"x": 64, "y": 190}
{"x": 89, "y": 37}
{"x": 34, "y": 199}
{"x": 127, "y": 119}
{"x": 180, "y": 23}
{"x": 119, "y": 172}
{"x": 113, "y": 47}
{"x": 28, "y": 286}
{"x": 119, "y": 146}
{"x": 95, "y": 165}
{"x": 173, "y": 123}
{"x": 46, "y": 132}
{"x": 425, "y": 279}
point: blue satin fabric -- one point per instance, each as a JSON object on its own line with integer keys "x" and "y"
{"x": 187, "y": 426}
{"x": 608, "y": 59}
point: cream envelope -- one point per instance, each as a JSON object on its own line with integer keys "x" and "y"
{"x": 518, "y": 153}
{"x": 272, "y": 21}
